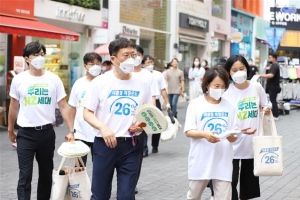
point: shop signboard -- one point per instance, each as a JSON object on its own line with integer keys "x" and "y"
{"x": 192, "y": 22}
{"x": 244, "y": 24}
{"x": 19, "y": 64}
{"x": 274, "y": 36}
{"x": 285, "y": 17}
{"x": 17, "y": 8}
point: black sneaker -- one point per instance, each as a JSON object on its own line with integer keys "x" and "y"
{"x": 154, "y": 150}
{"x": 136, "y": 191}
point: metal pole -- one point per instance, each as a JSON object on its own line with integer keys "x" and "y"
{"x": 274, "y": 26}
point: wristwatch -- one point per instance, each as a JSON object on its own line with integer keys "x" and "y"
{"x": 73, "y": 131}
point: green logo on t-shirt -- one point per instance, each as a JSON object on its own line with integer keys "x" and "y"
{"x": 37, "y": 94}
{"x": 247, "y": 108}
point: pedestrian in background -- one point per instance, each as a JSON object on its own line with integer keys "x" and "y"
{"x": 204, "y": 64}
{"x": 34, "y": 95}
{"x": 106, "y": 66}
{"x": 145, "y": 76}
{"x": 148, "y": 63}
{"x": 84, "y": 132}
{"x": 253, "y": 70}
{"x": 210, "y": 158}
{"x": 175, "y": 82}
{"x": 273, "y": 83}
{"x": 243, "y": 95}
{"x": 196, "y": 73}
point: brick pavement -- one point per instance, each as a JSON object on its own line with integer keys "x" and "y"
{"x": 164, "y": 175}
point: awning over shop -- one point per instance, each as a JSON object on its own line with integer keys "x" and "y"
{"x": 12, "y": 25}
{"x": 192, "y": 40}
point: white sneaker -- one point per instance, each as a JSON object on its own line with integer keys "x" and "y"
{"x": 212, "y": 198}
{"x": 276, "y": 118}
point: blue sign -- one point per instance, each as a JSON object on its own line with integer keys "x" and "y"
{"x": 274, "y": 36}
{"x": 289, "y": 10}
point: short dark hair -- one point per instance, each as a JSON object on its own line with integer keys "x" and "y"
{"x": 107, "y": 62}
{"x": 211, "y": 74}
{"x": 120, "y": 43}
{"x": 33, "y": 48}
{"x": 250, "y": 59}
{"x": 139, "y": 49}
{"x": 146, "y": 57}
{"x": 234, "y": 58}
{"x": 90, "y": 57}
{"x": 206, "y": 63}
{"x": 274, "y": 55}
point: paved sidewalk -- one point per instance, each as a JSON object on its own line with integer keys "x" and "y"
{"x": 164, "y": 175}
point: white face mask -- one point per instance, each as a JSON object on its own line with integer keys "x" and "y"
{"x": 203, "y": 64}
{"x": 216, "y": 93}
{"x": 38, "y": 62}
{"x": 94, "y": 70}
{"x": 150, "y": 68}
{"x": 127, "y": 66}
{"x": 239, "y": 77}
{"x": 137, "y": 61}
{"x": 196, "y": 63}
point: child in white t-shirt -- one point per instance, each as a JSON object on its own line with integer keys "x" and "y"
{"x": 210, "y": 158}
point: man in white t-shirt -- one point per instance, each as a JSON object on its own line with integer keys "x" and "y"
{"x": 148, "y": 63}
{"x": 147, "y": 77}
{"x": 34, "y": 96}
{"x": 92, "y": 65}
{"x": 110, "y": 106}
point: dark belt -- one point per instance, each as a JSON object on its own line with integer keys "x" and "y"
{"x": 39, "y": 128}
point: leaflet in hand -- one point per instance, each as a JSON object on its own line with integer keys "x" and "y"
{"x": 229, "y": 133}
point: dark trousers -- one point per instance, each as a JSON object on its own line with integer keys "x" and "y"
{"x": 173, "y": 98}
{"x": 273, "y": 98}
{"x": 155, "y": 137}
{"x": 125, "y": 159}
{"x": 141, "y": 140}
{"x": 249, "y": 184}
{"x": 84, "y": 158}
{"x": 40, "y": 144}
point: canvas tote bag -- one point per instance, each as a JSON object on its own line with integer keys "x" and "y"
{"x": 60, "y": 182}
{"x": 268, "y": 156}
{"x": 79, "y": 182}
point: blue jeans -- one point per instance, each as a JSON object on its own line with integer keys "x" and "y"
{"x": 173, "y": 98}
{"x": 125, "y": 158}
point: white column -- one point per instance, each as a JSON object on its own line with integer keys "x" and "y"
{"x": 113, "y": 19}
{"x": 174, "y": 23}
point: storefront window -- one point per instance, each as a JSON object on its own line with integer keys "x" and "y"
{"x": 63, "y": 58}
{"x": 218, "y": 53}
{"x": 219, "y": 9}
{"x": 156, "y": 45}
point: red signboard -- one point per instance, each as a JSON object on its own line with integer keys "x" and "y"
{"x": 20, "y": 8}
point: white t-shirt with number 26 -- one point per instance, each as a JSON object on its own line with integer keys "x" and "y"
{"x": 116, "y": 101}
{"x": 210, "y": 160}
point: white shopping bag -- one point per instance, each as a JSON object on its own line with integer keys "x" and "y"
{"x": 171, "y": 132}
{"x": 268, "y": 156}
{"x": 79, "y": 183}
{"x": 60, "y": 182}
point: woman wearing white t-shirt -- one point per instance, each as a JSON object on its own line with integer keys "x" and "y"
{"x": 243, "y": 95}
{"x": 210, "y": 158}
{"x": 196, "y": 74}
